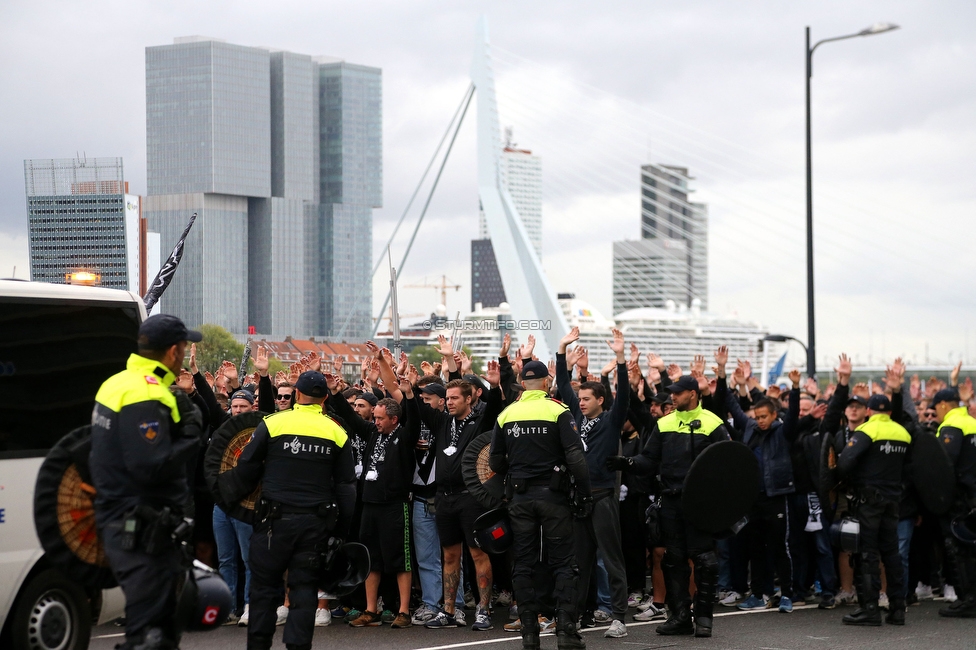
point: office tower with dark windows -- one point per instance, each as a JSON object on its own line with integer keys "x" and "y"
{"x": 279, "y": 154}
{"x": 486, "y": 282}
{"x": 76, "y": 211}
{"x": 669, "y": 216}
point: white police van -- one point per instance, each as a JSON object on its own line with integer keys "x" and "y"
{"x": 58, "y": 343}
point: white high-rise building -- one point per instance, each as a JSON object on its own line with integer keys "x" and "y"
{"x": 521, "y": 171}
{"x": 649, "y": 272}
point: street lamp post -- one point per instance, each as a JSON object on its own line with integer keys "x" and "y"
{"x": 779, "y": 338}
{"x": 877, "y": 28}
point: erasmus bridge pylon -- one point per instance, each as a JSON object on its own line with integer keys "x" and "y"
{"x": 526, "y": 287}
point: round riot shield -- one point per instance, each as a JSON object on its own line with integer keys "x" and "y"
{"x": 225, "y": 448}
{"x": 64, "y": 512}
{"x": 487, "y": 487}
{"x": 721, "y": 486}
{"x": 933, "y": 473}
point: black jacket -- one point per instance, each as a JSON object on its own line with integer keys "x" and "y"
{"x": 772, "y": 447}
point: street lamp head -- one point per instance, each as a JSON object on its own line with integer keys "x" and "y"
{"x": 877, "y": 28}
{"x": 777, "y": 338}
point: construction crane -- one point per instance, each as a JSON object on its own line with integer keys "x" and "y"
{"x": 443, "y": 287}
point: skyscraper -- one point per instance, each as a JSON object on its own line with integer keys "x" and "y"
{"x": 670, "y": 261}
{"x": 280, "y": 155}
{"x": 77, "y": 221}
{"x": 521, "y": 171}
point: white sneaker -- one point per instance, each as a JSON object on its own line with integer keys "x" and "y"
{"x": 422, "y": 614}
{"x": 846, "y": 598}
{"x": 323, "y": 617}
{"x": 504, "y": 598}
{"x": 231, "y": 619}
{"x": 924, "y": 592}
{"x": 652, "y": 613}
{"x": 731, "y": 599}
{"x": 948, "y": 594}
{"x": 546, "y": 625}
{"x": 282, "y": 615}
{"x": 634, "y": 599}
{"x": 242, "y": 621}
{"x": 617, "y": 630}
{"x": 883, "y": 600}
{"x": 601, "y": 617}
{"x": 459, "y": 617}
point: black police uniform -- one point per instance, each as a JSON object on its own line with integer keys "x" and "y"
{"x": 672, "y": 447}
{"x": 143, "y": 440}
{"x": 958, "y": 432}
{"x": 308, "y": 493}
{"x": 533, "y": 437}
{"x": 873, "y": 462}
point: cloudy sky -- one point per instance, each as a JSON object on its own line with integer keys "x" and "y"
{"x": 597, "y": 89}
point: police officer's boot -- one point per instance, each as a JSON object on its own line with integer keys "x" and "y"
{"x": 679, "y": 621}
{"x": 530, "y": 630}
{"x": 896, "y": 612}
{"x": 154, "y": 639}
{"x": 706, "y": 574}
{"x": 703, "y": 617}
{"x": 965, "y": 607}
{"x": 567, "y": 636}
{"x": 867, "y": 614}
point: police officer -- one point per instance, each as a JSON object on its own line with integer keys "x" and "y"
{"x": 674, "y": 443}
{"x": 957, "y": 430}
{"x": 535, "y": 440}
{"x": 144, "y": 438}
{"x": 872, "y": 463}
{"x": 303, "y": 460}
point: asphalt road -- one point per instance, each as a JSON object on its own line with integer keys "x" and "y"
{"x": 806, "y": 627}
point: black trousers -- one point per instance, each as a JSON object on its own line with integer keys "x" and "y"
{"x": 683, "y": 542}
{"x": 878, "y": 516}
{"x": 960, "y": 560}
{"x": 539, "y": 509}
{"x": 288, "y": 544}
{"x": 768, "y": 533}
{"x": 633, "y": 538}
{"x": 151, "y": 584}
{"x": 602, "y": 531}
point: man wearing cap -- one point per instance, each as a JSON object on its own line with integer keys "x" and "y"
{"x": 534, "y": 441}
{"x": 957, "y": 430}
{"x": 144, "y": 437}
{"x": 674, "y": 443}
{"x": 308, "y": 491}
{"x": 872, "y": 463}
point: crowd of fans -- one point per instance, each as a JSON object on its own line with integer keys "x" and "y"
{"x": 782, "y": 557}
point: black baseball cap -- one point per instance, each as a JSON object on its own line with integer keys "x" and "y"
{"x": 370, "y": 397}
{"x": 434, "y": 389}
{"x": 243, "y": 394}
{"x": 879, "y": 403}
{"x": 162, "y": 330}
{"x": 945, "y": 395}
{"x": 685, "y": 382}
{"x": 661, "y": 398}
{"x": 477, "y": 381}
{"x": 857, "y": 398}
{"x": 312, "y": 383}
{"x": 535, "y": 370}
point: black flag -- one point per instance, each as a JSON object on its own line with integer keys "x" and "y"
{"x": 166, "y": 273}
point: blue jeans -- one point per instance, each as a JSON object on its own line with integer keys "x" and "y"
{"x": 602, "y": 585}
{"x": 427, "y": 548}
{"x": 905, "y": 529}
{"x": 231, "y": 534}
{"x": 722, "y": 550}
{"x": 802, "y": 543}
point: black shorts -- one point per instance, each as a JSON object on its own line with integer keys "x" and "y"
{"x": 455, "y": 515}
{"x": 384, "y": 530}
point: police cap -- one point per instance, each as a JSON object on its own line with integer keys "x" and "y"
{"x": 879, "y": 403}
{"x": 312, "y": 383}
{"x": 945, "y": 395}
{"x": 535, "y": 370}
{"x": 685, "y": 382}
{"x": 162, "y": 330}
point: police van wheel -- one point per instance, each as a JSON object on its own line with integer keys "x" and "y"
{"x": 52, "y": 613}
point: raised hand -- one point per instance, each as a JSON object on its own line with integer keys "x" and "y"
{"x": 210, "y": 379}
{"x": 373, "y": 349}
{"x": 401, "y": 368}
{"x": 966, "y": 390}
{"x": 843, "y": 370}
{"x": 314, "y": 361}
{"x": 572, "y": 356}
{"x": 655, "y": 362}
{"x": 583, "y": 363}
{"x": 954, "y": 375}
{"x": 571, "y": 337}
{"x": 811, "y": 387}
{"x": 634, "y": 374}
{"x": 895, "y": 375}
{"x": 916, "y": 388}
{"x": 653, "y": 376}
{"x": 819, "y": 411}
{"x": 698, "y": 365}
{"x": 738, "y": 377}
{"x": 280, "y": 378}
{"x": 193, "y": 359}
{"x": 861, "y": 390}
{"x": 746, "y": 367}
{"x": 185, "y": 381}
{"x": 229, "y": 371}
{"x": 617, "y": 344}
{"x": 795, "y": 377}
{"x": 465, "y": 363}
{"x": 634, "y": 353}
{"x": 607, "y": 369}
{"x": 674, "y": 372}
{"x": 506, "y": 344}
{"x": 526, "y": 350}
{"x": 374, "y": 372}
{"x": 261, "y": 361}
{"x": 412, "y": 375}
{"x": 492, "y": 374}
{"x": 722, "y": 356}
{"x": 426, "y": 368}
{"x": 337, "y": 364}
{"x": 332, "y": 382}
{"x": 444, "y": 346}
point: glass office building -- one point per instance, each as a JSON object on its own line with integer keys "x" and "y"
{"x": 280, "y": 156}
{"x": 76, "y": 210}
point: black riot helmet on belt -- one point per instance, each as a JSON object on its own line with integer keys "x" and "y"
{"x": 493, "y": 531}
{"x": 206, "y": 601}
{"x": 964, "y": 528}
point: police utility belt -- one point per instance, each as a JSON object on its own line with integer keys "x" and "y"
{"x": 558, "y": 481}
{"x": 268, "y": 510}
{"x": 153, "y": 531}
